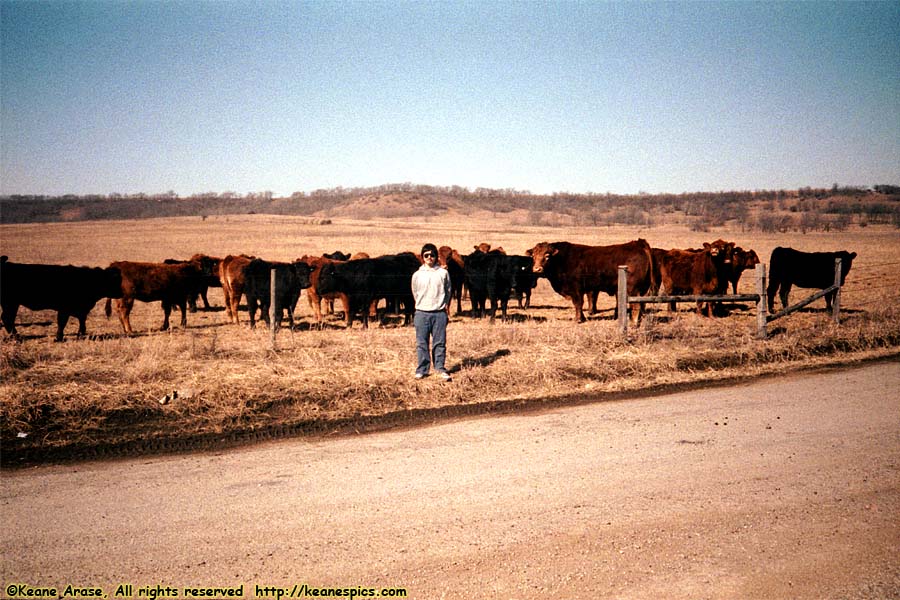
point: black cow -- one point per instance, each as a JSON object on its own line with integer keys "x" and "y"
{"x": 494, "y": 277}
{"x": 788, "y": 267}
{"x": 369, "y": 279}
{"x": 290, "y": 279}
{"x": 70, "y": 291}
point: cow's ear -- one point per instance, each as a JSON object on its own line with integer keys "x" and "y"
{"x": 554, "y": 251}
{"x": 853, "y": 255}
{"x": 706, "y": 245}
{"x": 528, "y": 252}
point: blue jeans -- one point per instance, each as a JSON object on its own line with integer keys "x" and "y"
{"x": 433, "y": 325}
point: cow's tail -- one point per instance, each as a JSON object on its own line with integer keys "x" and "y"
{"x": 654, "y": 284}
{"x": 108, "y": 309}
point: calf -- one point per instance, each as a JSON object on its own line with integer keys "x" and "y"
{"x": 70, "y": 291}
{"x": 209, "y": 270}
{"x": 290, "y": 279}
{"x": 789, "y": 267}
{"x": 151, "y": 282}
{"x": 743, "y": 259}
{"x": 367, "y": 280}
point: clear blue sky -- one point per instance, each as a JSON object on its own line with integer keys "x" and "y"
{"x": 190, "y": 96}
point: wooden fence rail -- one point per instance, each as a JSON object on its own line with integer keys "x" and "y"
{"x": 762, "y": 316}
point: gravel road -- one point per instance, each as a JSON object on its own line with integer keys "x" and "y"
{"x": 782, "y": 488}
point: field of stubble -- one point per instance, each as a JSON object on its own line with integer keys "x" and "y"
{"x": 102, "y": 394}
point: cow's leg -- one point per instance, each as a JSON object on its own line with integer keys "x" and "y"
{"x": 167, "y": 310}
{"x": 315, "y": 304}
{"x": 227, "y": 297}
{"x": 62, "y": 317}
{"x": 771, "y": 290}
{"x": 785, "y": 294}
{"x": 82, "y": 325}
{"x": 829, "y": 298}
{"x": 183, "y": 306}
{"x": 203, "y": 292}
{"x": 9, "y": 318}
{"x": 236, "y": 293}
{"x": 123, "y": 307}
{"x": 192, "y": 302}
{"x": 504, "y": 304}
{"x": 578, "y": 303}
{"x": 594, "y": 295}
{"x": 251, "y": 311}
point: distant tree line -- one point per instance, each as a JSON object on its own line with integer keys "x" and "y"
{"x": 805, "y": 209}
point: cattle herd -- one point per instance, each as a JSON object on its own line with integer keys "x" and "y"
{"x": 360, "y": 282}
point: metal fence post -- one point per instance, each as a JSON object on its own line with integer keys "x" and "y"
{"x": 762, "y": 313}
{"x": 836, "y": 305}
{"x": 272, "y": 306}
{"x": 622, "y": 299}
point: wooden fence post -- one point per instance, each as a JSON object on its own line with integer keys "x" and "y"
{"x": 762, "y": 313}
{"x": 836, "y": 305}
{"x": 272, "y": 306}
{"x": 622, "y": 299}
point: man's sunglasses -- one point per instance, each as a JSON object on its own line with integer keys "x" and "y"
{"x": 427, "y": 254}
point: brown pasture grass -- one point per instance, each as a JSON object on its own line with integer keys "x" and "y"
{"x": 107, "y": 389}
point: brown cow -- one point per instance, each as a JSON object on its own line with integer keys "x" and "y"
{"x": 743, "y": 259}
{"x": 455, "y": 264}
{"x": 149, "y": 282}
{"x": 233, "y": 276}
{"x": 575, "y": 270}
{"x": 695, "y": 272}
{"x": 485, "y": 247}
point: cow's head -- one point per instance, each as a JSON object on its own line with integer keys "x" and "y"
{"x": 541, "y": 255}
{"x": 721, "y": 251}
{"x": 110, "y": 282}
{"x": 328, "y": 279}
{"x": 745, "y": 258}
{"x": 846, "y": 261}
{"x": 302, "y": 270}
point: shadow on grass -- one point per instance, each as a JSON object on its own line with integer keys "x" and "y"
{"x": 482, "y": 361}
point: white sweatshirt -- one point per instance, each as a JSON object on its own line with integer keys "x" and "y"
{"x": 431, "y": 288}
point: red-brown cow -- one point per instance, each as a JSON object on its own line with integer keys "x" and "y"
{"x": 575, "y": 270}
{"x": 233, "y": 276}
{"x": 695, "y": 272}
{"x": 455, "y": 264}
{"x": 151, "y": 282}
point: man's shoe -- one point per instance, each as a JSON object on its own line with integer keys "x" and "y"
{"x": 420, "y": 376}
{"x": 446, "y": 376}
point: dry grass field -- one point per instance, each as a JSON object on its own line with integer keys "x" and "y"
{"x": 63, "y": 399}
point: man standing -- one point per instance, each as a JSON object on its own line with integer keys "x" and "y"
{"x": 431, "y": 291}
